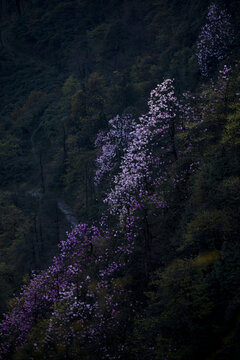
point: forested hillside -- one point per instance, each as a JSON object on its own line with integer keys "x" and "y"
{"x": 119, "y": 180}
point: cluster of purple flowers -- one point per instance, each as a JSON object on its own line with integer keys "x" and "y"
{"x": 76, "y": 295}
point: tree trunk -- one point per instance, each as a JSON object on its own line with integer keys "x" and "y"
{"x": 147, "y": 244}
{"x": 86, "y": 189}
{"x": 172, "y": 135}
{"x": 41, "y": 172}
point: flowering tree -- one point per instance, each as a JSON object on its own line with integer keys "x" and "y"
{"x": 139, "y": 163}
{"x": 135, "y": 193}
{"x": 112, "y": 144}
{"x": 214, "y": 40}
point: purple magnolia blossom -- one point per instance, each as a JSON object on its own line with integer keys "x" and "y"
{"x": 214, "y": 40}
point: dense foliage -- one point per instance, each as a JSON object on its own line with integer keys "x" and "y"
{"x": 148, "y": 190}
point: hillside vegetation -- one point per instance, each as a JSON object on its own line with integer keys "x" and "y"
{"x": 119, "y": 123}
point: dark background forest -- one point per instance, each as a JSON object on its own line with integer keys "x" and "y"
{"x": 66, "y": 69}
